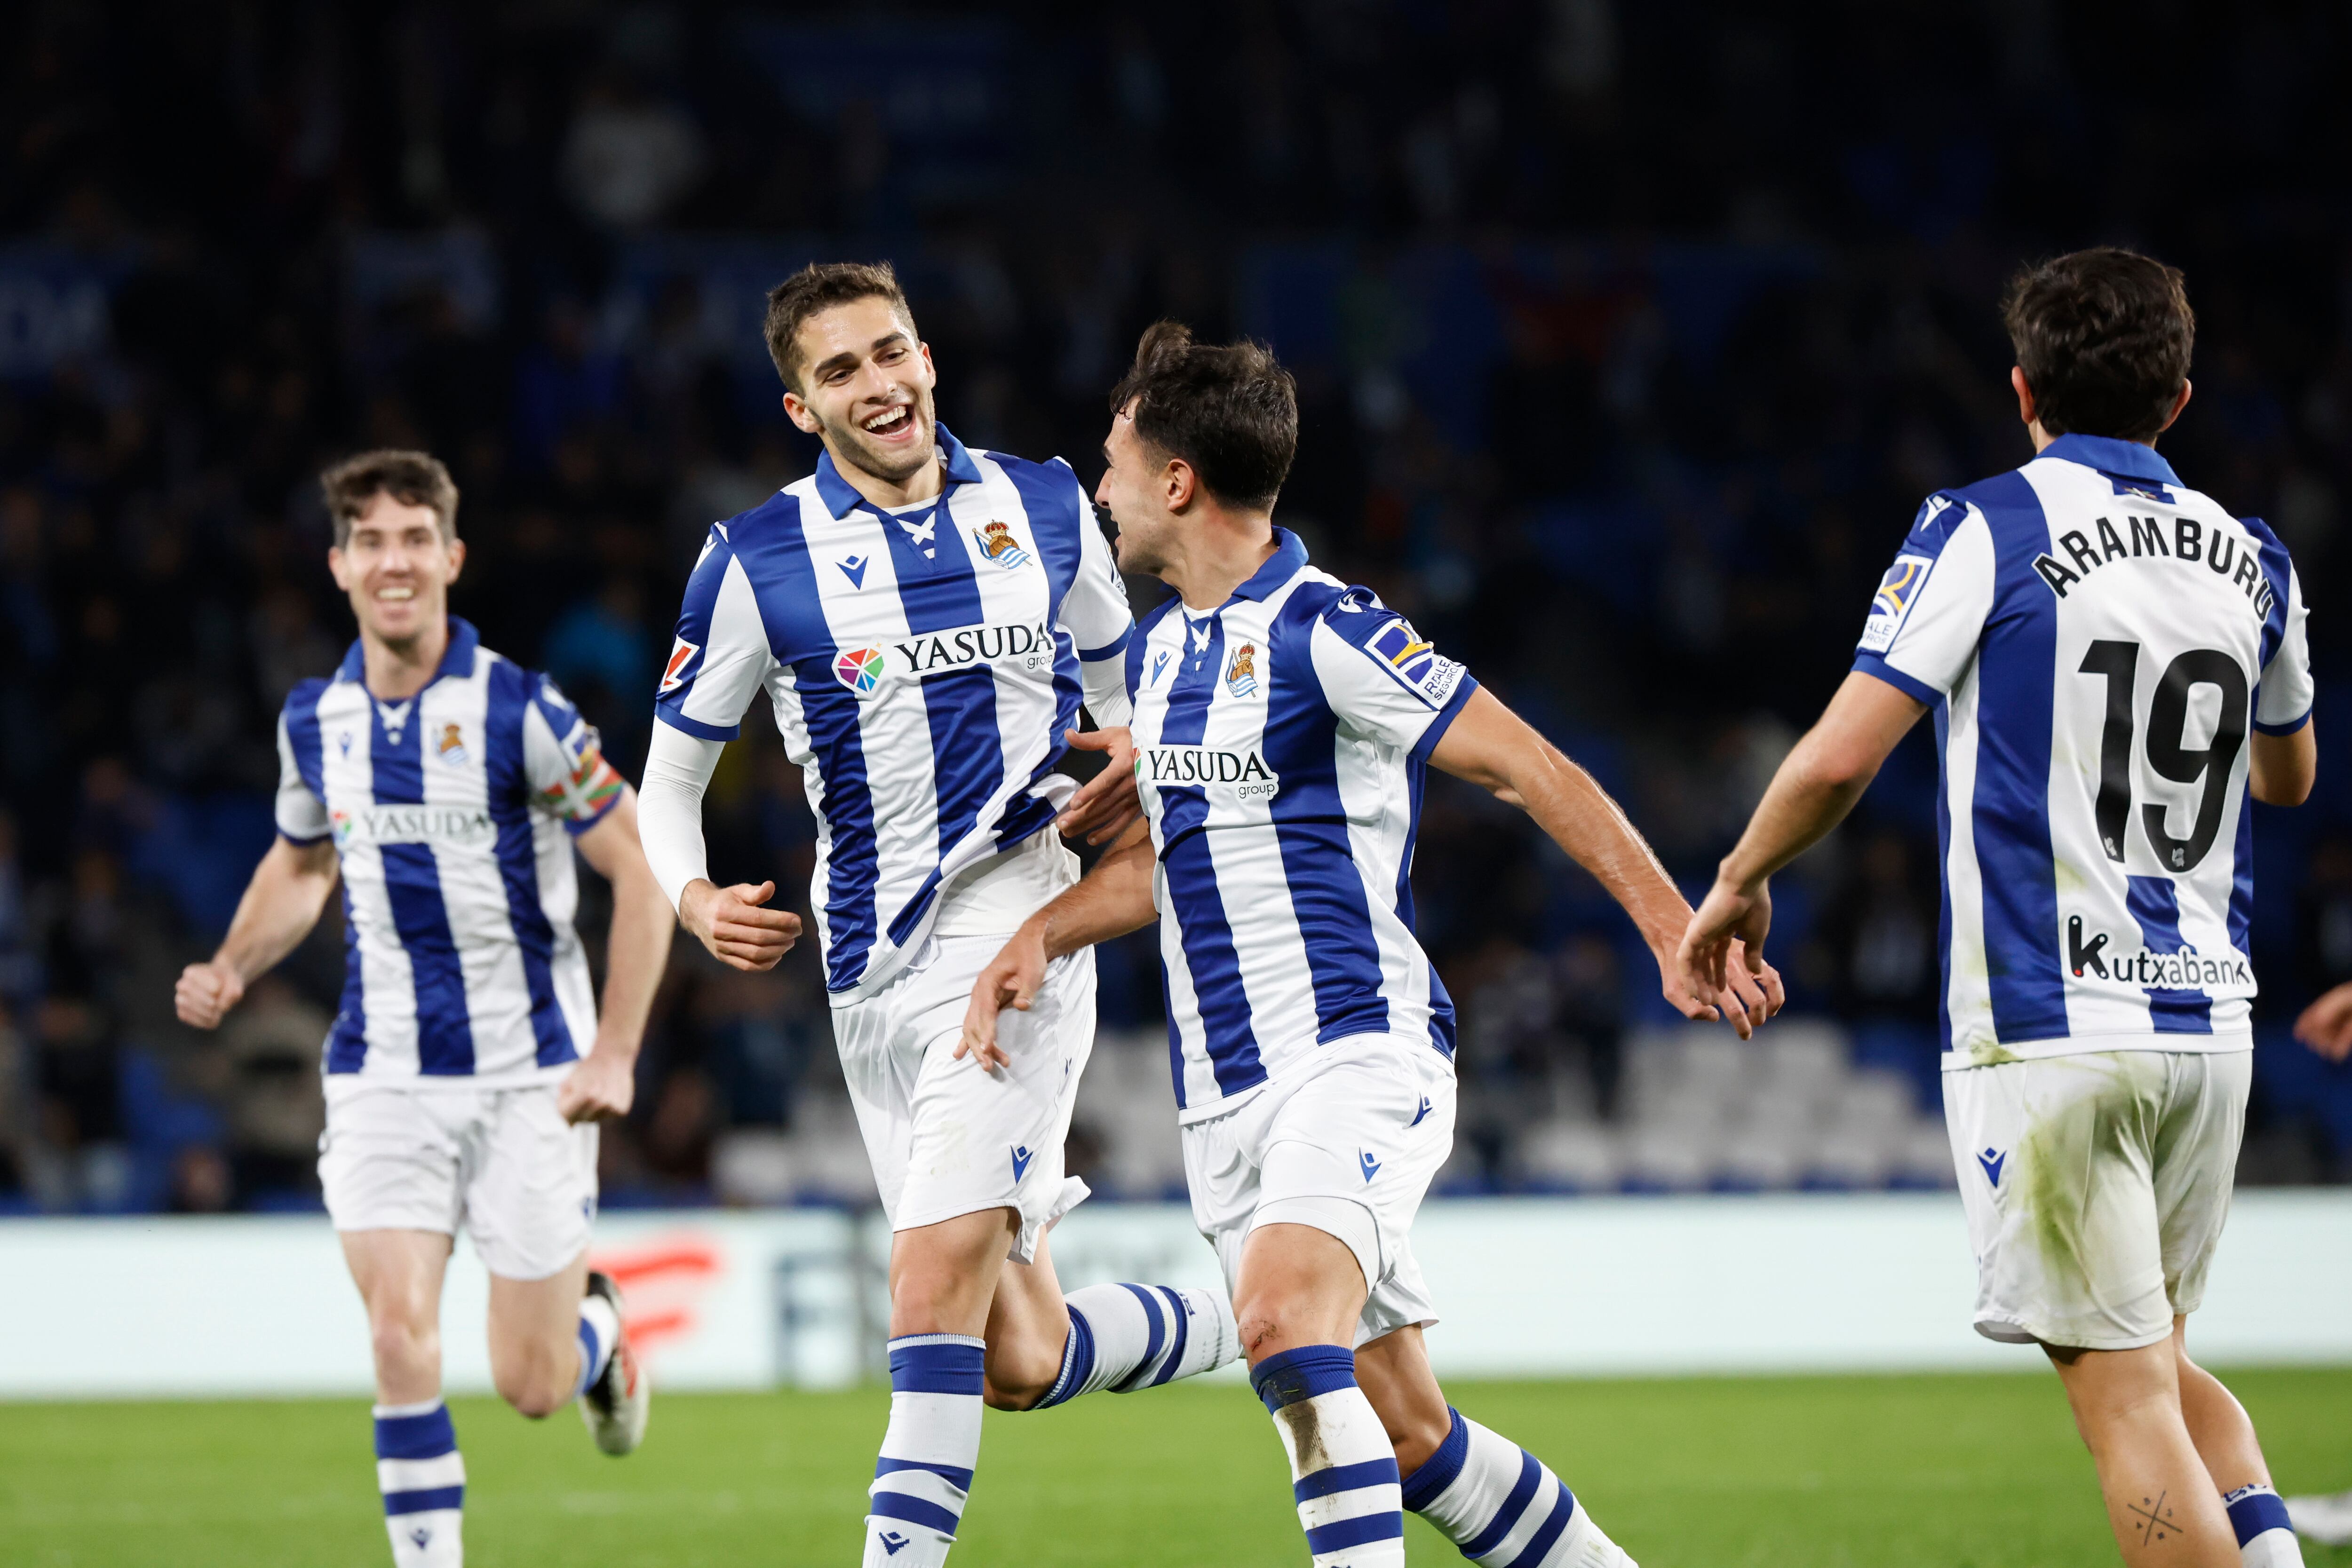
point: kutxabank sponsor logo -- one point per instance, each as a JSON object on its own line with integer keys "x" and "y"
{"x": 453, "y": 825}
{"x": 1194, "y": 767}
{"x": 2093, "y": 954}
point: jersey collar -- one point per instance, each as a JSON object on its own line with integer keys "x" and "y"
{"x": 457, "y": 659}
{"x": 2109, "y": 456}
{"x": 840, "y": 499}
{"x": 1288, "y": 558}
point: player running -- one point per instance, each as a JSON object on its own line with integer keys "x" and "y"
{"x": 2097, "y": 641}
{"x": 1282, "y": 720}
{"x": 924, "y": 618}
{"x": 446, "y": 787}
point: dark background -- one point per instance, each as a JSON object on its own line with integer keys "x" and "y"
{"x": 1629, "y": 338}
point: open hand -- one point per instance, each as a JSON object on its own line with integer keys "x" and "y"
{"x": 730, "y": 923}
{"x": 1105, "y": 803}
{"x": 1719, "y": 965}
{"x": 1011, "y": 980}
{"x": 2325, "y": 1025}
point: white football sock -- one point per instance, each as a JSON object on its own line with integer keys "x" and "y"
{"x": 600, "y": 1331}
{"x": 1126, "y": 1337}
{"x": 423, "y": 1479}
{"x": 2265, "y": 1536}
{"x": 1346, "y": 1489}
{"x": 1502, "y": 1506}
{"x": 928, "y": 1451}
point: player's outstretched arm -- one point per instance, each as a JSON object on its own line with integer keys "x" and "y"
{"x": 1493, "y": 747}
{"x": 282, "y": 902}
{"x": 1111, "y": 900}
{"x": 637, "y": 951}
{"x": 1817, "y": 785}
{"x": 2325, "y": 1025}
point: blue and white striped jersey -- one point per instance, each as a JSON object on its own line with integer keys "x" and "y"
{"x": 2095, "y": 640}
{"x": 449, "y": 812}
{"x": 921, "y": 666}
{"x": 1280, "y": 740}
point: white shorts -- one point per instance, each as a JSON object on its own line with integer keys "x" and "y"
{"x": 945, "y": 1137}
{"x": 2096, "y": 1188}
{"x": 1348, "y": 1142}
{"x": 503, "y": 1163}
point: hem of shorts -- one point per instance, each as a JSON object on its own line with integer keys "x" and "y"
{"x": 343, "y": 1085}
{"x": 2093, "y": 1044}
{"x": 2010, "y": 1331}
{"x": 1224, "y": 1104}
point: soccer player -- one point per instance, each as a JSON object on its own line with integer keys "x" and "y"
{"x": 2114, "y": 664}
{"x": 1282, "y": 721}
{"x": 924, "y": 620}
{"x": 447, "y": 788}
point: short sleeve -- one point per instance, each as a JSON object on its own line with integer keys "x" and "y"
{"x": 1929, "y": 612}
{"x": 301, "y": 815}
{"x": 720, "y": 658}
{"x": 1382, "y": 678}
{"x": 563, "y": 757}
{"x": 1096, "y": 615}
{"x": 2283, "y": 696}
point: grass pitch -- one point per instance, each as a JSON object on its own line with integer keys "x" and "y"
{"x": 1830, "y": 1473}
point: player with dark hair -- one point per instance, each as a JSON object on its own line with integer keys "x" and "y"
{"x": 2116, "y": 664}
{"x": 1282, "y": 722}
{"x": 446, "y": 788}
{"x": 924, "y": 619}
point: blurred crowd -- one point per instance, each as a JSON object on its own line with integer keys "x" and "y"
{"x": 1628, "y": 336}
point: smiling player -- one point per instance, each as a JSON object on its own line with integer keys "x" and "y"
{"x": 447, "y": 788}
{"x": 924, "y": 620}
{"x": 1283, "y": 721}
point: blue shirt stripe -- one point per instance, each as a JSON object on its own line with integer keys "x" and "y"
{"x": 2154, "y": 904}
{"x": 2012, "y": 808}
{"x": 411, "y": 880}
{"x": 511, "y": 692}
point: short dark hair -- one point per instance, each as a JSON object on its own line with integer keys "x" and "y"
{"x": 1230, "y": 411}
{"x": 2104, "y": 337}
{"x": 820, "y": 286}
{"x": 412, "y": 478}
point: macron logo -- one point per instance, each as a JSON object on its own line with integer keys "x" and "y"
{"x": 1992, "y": 1160}
{"x": 1372, "y": 1166}
{"x": 1417, "y": 1115}
{"x": 891, "y": 1540}
{"x": 854, "y": 569}
{"x": 1021, "y": 1158}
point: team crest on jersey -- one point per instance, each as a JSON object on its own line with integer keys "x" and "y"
{"x": 996, "y": 542}
{"x": 859, "y": 669}
{"x": 1896, "y": 591}
{"x": 452, "y": 748}
{"x": 681, "y": 654}
{"x": 1241, "y": 675}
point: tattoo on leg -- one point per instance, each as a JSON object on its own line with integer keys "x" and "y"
{"x": 2157, "y": 1521}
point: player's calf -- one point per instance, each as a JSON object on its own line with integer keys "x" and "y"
{"x": 2161, "y": 1500}
{"x": 1127, "y": 1337}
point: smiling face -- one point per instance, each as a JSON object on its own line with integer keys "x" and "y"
{"x": 1136, "y": 490}
{"x": 864, "y": 389}
{"x": 396, "y": 567}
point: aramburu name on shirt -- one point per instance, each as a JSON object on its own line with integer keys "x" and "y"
{"x": 1195, "y": 766}
{"x": 425, "y": 824}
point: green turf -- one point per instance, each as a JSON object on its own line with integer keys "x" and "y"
{"x": 1925, "y": 1472}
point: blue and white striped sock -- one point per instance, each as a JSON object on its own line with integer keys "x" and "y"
{"x": 2266, "y": 1539}
{"x": 423, "y": 1477}
{"x": 1126, "y": 1337}
{"x": 928, "y": 1451}
{"x": 1347, "y": 1493}
{"x": 600, "y": 1331}
{"x": 1501, "y": 1505}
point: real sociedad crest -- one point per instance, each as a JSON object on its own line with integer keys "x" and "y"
{"x": 996, "y": 542}
{"x": 453, "y": 745}
{"x": 1241, "y": 675}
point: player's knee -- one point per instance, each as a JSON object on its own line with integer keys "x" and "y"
{"x": 1020, "y": 1373}
{"x": 404, "y": 1344}
{"x": 533, "y": 1385}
